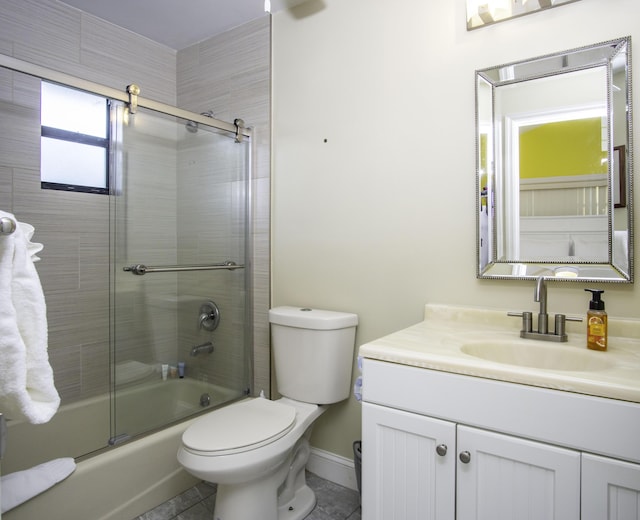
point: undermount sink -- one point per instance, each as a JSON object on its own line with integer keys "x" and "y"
{"x": 536, "y": 355}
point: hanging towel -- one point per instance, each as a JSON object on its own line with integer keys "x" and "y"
{"x": 26, "y": 378}
{"x": 21, "y": 486}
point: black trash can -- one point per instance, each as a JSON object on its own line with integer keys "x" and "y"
{"x": 357, "y": 463}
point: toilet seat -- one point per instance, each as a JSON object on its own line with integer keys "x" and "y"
{"x": 239, "y": 427}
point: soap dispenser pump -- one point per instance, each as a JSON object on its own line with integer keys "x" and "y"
{"x": 596, "y": 322}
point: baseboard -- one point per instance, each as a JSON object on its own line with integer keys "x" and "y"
{"x": 332, "y": 467}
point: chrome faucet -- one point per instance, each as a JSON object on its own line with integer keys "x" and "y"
{"x": 205, "y": 347}
{"x": 527, "y": 332}
{"x": 540, "y": 295}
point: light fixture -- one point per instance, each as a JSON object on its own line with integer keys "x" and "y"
{"x": 485, "y": 12}
{"x": 274, "y": 6}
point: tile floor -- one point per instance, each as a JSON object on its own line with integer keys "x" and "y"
{"x": 334, "y": 503}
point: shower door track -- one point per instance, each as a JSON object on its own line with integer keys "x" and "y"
{"x": 66, "y": 79}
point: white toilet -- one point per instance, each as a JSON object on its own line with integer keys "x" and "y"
{"x": 256, "y": 450}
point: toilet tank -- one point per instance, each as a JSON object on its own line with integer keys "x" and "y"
{"x": 313, "y": 353}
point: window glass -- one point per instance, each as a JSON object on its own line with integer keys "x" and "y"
{"x": 74, "y": 140}
{"x": 73, "y": 110}
{"x": 69, "y": 163}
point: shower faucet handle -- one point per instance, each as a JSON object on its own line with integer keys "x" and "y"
{"x": 209, "y": 316}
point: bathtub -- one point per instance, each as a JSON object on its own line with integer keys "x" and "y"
{"x": 118, "y": 482}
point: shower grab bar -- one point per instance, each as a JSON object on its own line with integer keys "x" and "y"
{"x": 7, "y": 226}
{"x": 140, "y": 269}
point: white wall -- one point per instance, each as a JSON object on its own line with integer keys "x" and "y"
{"x": 373, "y": 168}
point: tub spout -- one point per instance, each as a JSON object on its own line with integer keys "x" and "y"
{"x": 205, "y": 347}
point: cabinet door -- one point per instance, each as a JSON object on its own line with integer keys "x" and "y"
{"x": 610, "y": 489}
{"x": 408, "y": 466}
{"x": 505, "y": 478}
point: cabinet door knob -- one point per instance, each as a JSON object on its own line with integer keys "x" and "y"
{"x": 441, "y": 449}
{"x": 465, "y": 457}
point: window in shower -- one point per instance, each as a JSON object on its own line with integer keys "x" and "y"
{"x": 74, "y": 140}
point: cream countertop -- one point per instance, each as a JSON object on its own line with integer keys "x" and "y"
{"x": 436, "y": 343}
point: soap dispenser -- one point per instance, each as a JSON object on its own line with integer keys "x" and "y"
{"x": 596, "y": 322}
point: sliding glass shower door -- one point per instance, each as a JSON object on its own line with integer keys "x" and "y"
{"x": 179, "y": 217}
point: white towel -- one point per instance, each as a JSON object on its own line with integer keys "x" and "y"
{"x": 21, "y": 486}
{"x": 26, "y": 378}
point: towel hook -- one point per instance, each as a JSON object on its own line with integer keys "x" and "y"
{"x": 7, "y": 226}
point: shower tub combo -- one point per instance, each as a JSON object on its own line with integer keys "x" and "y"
{"x": 169, "y": 234}
{"x": 140, "y": 473}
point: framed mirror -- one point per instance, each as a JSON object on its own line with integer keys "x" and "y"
{"x": 554, "y": 166}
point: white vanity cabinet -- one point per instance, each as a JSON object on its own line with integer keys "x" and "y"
{"x": 500, "y": 476}
{"x": 409, "y": 473}
{"x": 610, "y": 489}
{"x": 418, "y": 461}
{"x": 446, "y": 446}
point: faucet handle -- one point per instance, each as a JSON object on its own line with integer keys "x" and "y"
{"x": 560, "y": 325}
{"x": 527, "y": 319}
{"x": 561, "y": 320}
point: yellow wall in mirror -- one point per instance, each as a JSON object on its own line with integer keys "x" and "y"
{"x": 562, "y": 148}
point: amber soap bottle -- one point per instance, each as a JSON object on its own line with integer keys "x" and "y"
{"x": 596, "y": 322}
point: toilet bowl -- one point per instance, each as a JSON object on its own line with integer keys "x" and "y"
{"x": 256, "y": 450}
{"x": 250, "y": 460}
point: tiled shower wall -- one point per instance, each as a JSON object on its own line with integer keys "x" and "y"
{"x": 243, "y": 91}
{"x": 74, "y": 266}
{"x": 74, "y": 229}
{"x": 144, "y": 212}
{"x": 72, "y": 226}
{"x": 211, "y": 224}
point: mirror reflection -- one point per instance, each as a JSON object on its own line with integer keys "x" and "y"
{"x": 553, "y": 165}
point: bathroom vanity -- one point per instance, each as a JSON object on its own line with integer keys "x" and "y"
{"x": 463, "y": 419}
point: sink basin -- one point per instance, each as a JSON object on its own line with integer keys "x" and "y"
{"x": 537, "y": 355}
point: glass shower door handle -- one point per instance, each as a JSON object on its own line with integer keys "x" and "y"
{"x": 3, "y": 435}
{"x": 141, "y": 269}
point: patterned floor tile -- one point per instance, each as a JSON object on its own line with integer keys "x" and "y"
{"x": 334, "y": 502}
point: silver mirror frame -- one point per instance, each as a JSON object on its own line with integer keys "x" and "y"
{"x": 488, "y": 266}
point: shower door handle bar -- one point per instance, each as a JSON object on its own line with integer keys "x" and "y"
{"x": 140, "y": 269}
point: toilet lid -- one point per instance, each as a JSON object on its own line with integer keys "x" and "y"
{"x": 240, "y": 427}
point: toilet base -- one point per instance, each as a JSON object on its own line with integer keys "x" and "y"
{"x": 282, "y": 496}
{"x": 302, "y": 504}
{"x": 232, "y": 504}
